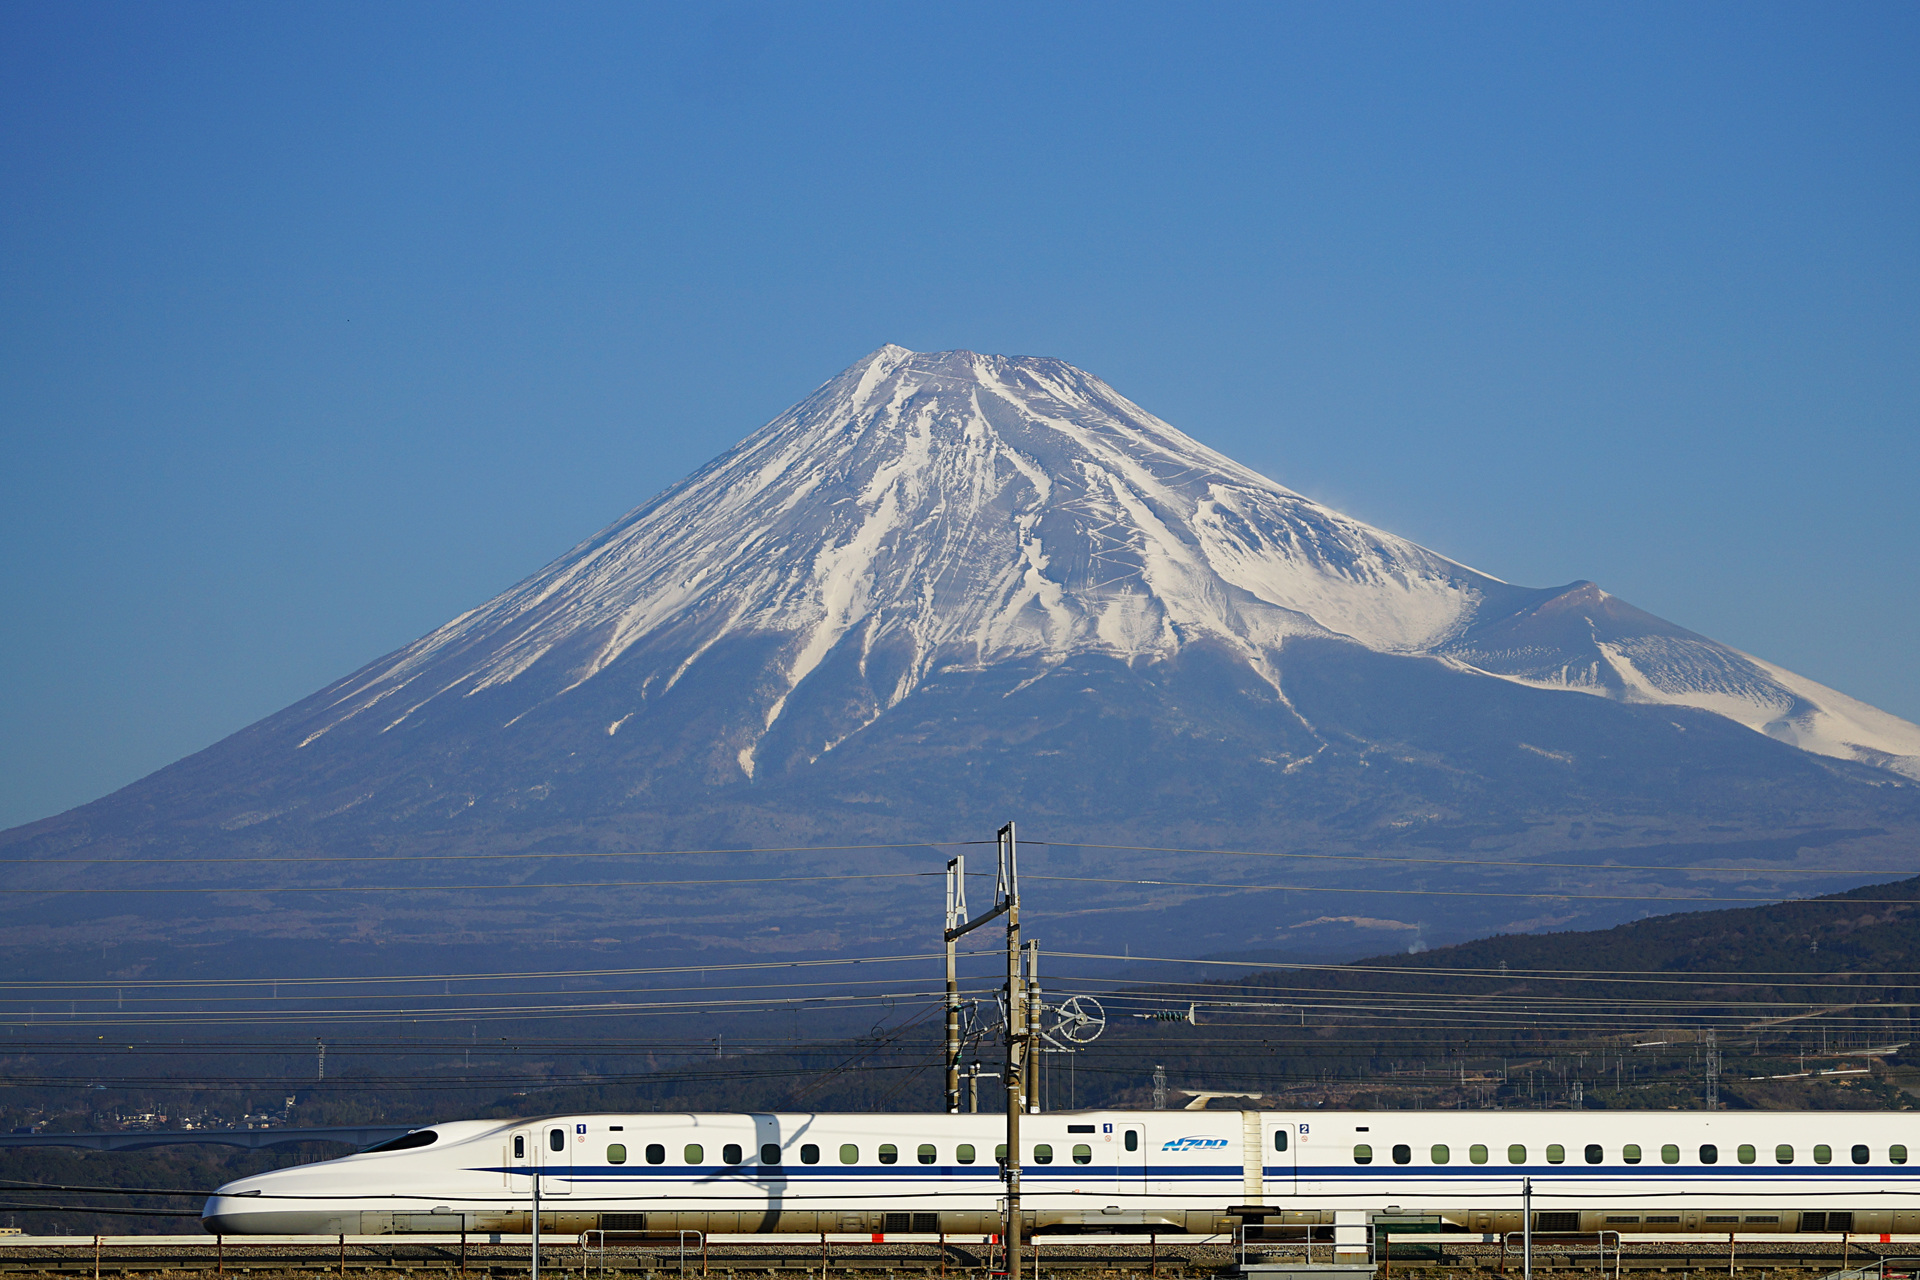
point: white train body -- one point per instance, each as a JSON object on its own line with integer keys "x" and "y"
{"x": 1751, "y": 1172}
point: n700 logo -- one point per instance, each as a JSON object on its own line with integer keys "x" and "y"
{"x": 1193, "y": 1144}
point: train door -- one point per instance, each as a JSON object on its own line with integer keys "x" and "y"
{"x": 1281, "y": 1159}
{"x": 1130, "y": 1162}
{"x": 558, "y": 1160}
{"x": 519, "y": 1160}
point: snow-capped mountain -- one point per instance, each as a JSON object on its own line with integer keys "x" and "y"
{"x": 947, "y": 589}
{"x": 957, "y": 510}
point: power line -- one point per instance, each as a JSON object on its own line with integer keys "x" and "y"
{"x": 93, "y": 1208}
{"x": 1480, "y": 862}
{"x": 17, "y": 1184}
{"x": 471, "y": 888}
{"x": 1457, "y": 893}
{"x": 1434, "y": 970}
{"x": 483, "y": 857}
{"x": 502, "y": 975}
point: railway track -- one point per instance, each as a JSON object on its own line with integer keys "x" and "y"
{"x": 198, "y": 1257}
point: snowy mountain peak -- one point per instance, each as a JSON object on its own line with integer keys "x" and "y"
{"x": 925, "y": 511}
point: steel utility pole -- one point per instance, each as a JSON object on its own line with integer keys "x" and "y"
{"x": 534, "y": 1165}
{"x": 1006, "y": 902}
{"x": 956, "y": 916}
{"x": 1035, "y": 1043}
{"x": 1526, "y": 1228}
{"x": 1008, "y": 888}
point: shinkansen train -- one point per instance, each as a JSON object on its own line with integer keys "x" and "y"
{"x": 1093, "y": 1171}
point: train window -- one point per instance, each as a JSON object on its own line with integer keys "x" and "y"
{"x": 1402, "y": 1153}
{"x": 1783, "y": 1154}
{"x": 519, "y": 1146}
{"x": 405, "y": 1142}
{"x": 1082, "y": 1153}
{"x": 809, "y": 1154}
{"x": 849, "y": 1154}
{"x": 731, "y": 1153}
{"x": 889, "y": 1154}
{"x": 1362, "y": 1153}
{"x": 1000, "y": 1153}
{"x": 1556, "y": 1154}
{"x": 1823, "y": 1154}
{"x": 1861, "y": 1155}
{"x": 1594, "y": 1154}
{"x": 1669, "y": 1154}
{"x": 926, "y": 1154}
{"x": 694, "y": 1153}
{"x": 1709, "y": 1154}
{"x": 964, "y": 1153}
{"x": 1279, "y": 1140}
{"x": 1896, "y": 1154}
{"x": 769, "y": 1153}
{"x": 1745, "y": 1154}
{"x": 1043, "y": 1153}
{"x": 1516, "y": 1154}
{"x": 557, "y": 1139}
{"x": 616, "y": 1153}
{"x": 656, "y": 1154}
{"x": 1477, "y": 1153}
{"x": 1133, "y": 1139}
{"x": 1630, "y": 1153}
{"x": 1440, "y": 1154}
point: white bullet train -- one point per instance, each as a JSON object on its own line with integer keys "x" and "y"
{"x": 1754, "y": 1172}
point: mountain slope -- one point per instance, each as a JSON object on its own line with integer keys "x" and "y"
{"x": 965, "y": 511}
{"x": 949, "y": 588}
{"x": 952, "y": 510}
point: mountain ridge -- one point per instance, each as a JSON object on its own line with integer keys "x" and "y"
{"x": 1210, "y": 559}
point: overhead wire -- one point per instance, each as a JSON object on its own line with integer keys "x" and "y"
{"x": 1548, "y": 894}
{"x": 471, "y": 888}
{"x": 1435, "y": 970}
{"x": 1514, "y": 865}
{"x": 500, "y": 975}
{"x": 484, "y": 857}
{"x": 94, "y": 1208}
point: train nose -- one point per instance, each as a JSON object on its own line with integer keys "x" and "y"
{"x": 261, "y": 1205}
{"x": 228, "y": 1210}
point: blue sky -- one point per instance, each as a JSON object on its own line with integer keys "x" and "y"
{"x": 322, "y": 323}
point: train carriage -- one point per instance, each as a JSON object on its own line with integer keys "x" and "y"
{"x": 1652, "y": 1172}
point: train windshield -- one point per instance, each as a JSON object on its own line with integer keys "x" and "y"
{"x": 405, "y": 1142}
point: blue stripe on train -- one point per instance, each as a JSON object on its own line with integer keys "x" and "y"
{"x": 782, "y": 1173}
{"x": 1327, "y": 1178}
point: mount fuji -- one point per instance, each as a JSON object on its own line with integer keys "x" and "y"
{"x": 949, "y": 588}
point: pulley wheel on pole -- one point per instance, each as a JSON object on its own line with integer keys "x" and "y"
{"x": 1079, "y": 1020}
